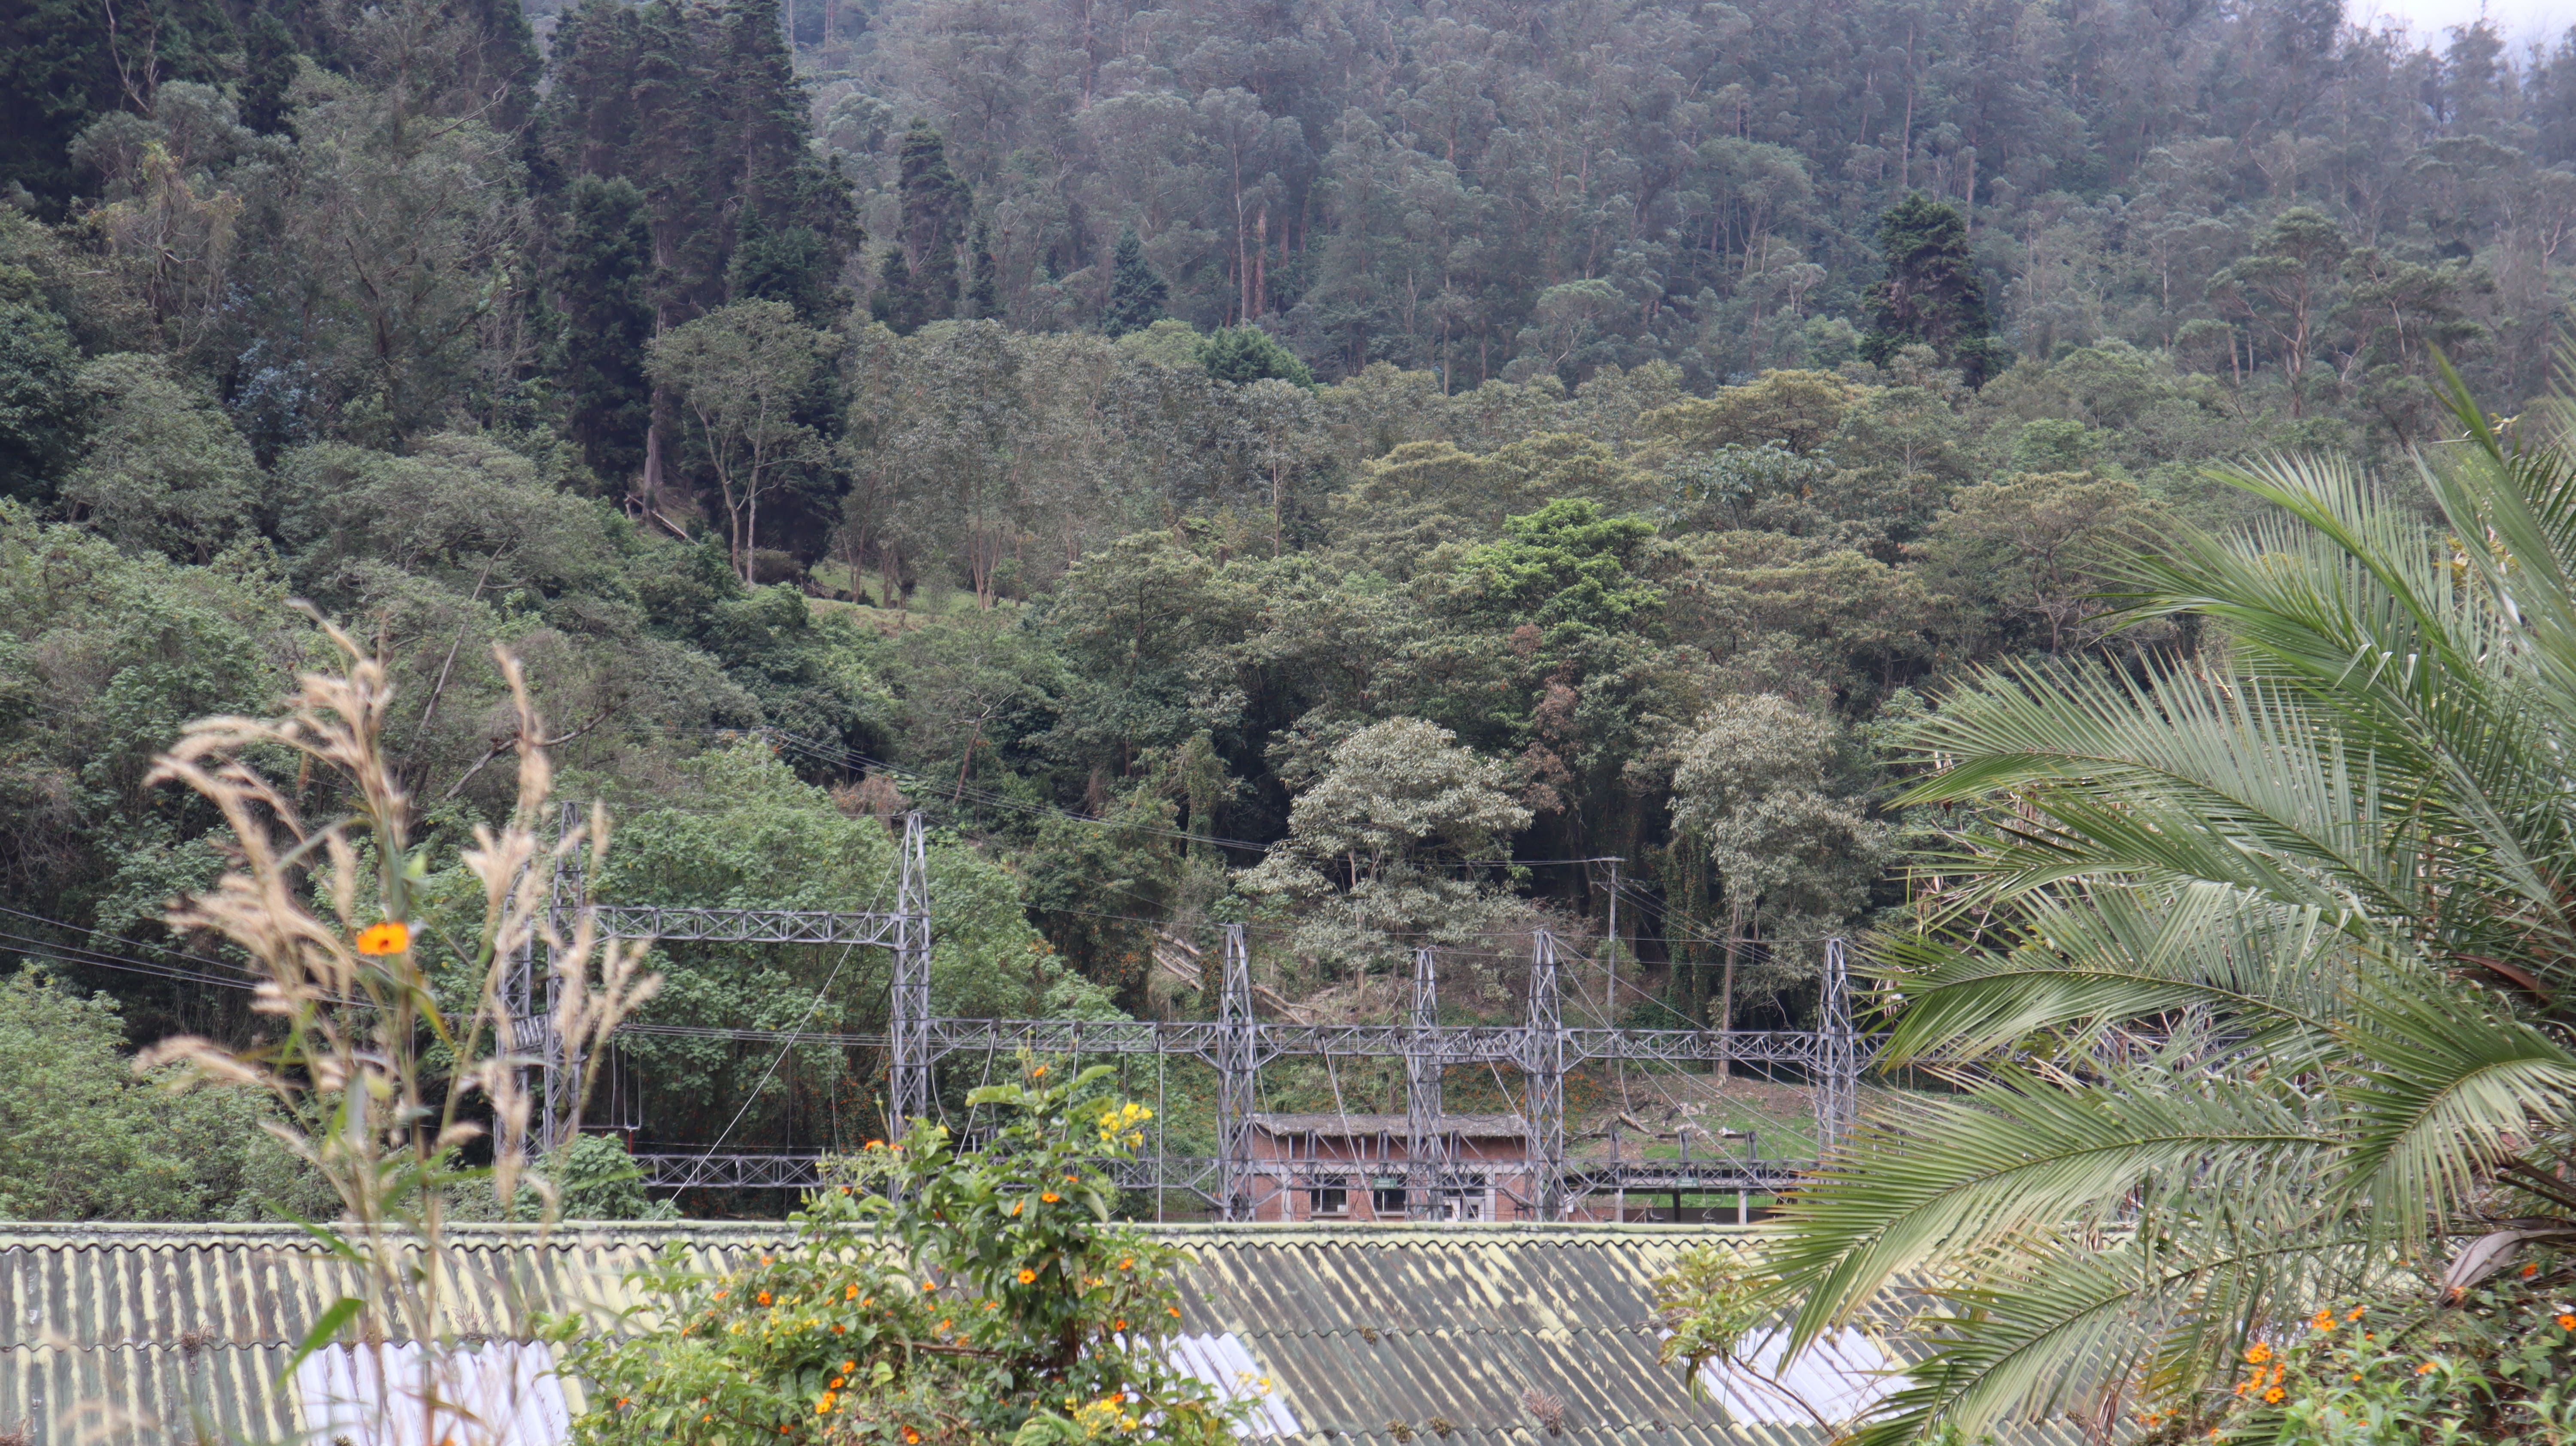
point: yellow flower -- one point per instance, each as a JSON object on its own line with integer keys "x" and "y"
{"x": 1026, "y": 1276}
{"x": 392, "y": 936}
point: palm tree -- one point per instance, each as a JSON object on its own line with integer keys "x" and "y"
{"x": 2251, "y": 966}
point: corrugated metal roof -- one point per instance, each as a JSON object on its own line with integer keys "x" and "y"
{"x": 1427, "y": 1332}
{"x": 122, "y": 1335}
{"x": 133, "y": 1335}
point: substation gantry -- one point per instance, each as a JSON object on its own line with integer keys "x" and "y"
{"x": 1235, "y": 1045}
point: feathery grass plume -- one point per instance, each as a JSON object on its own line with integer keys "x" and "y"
{"x": 378, "y": 1068}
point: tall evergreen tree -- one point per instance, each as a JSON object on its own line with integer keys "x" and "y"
{"x": 1136, "y": 294}
{"x": 984, "y": 288}
{"x": 1931, "y": 293}
{"x": 603, "y": 278}
{"x": 936, "y": 205}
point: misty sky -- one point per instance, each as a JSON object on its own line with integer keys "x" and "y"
{"x": 2519, "y": 20}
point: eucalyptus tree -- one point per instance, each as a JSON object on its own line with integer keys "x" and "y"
{"x": 2252, "y": 965}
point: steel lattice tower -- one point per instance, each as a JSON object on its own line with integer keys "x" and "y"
{"x": 1424, "y": 1147}
{"x": 910, "y": 1024}
{"x": 1543, "y": 1081}
{"x": 562, "y": 1078}
{"x": 1837, "y": 1083}
{"x": 1236, "y": 1095}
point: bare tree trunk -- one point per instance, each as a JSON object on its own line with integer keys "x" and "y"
{"x": 1726, "y": 986}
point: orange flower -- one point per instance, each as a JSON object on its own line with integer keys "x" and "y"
{"x": 392, "y": 936}
{"x": 2567, "y": 1322}
{"x": 2257, "y": 1353}
{"x": 722, "y": 1294}
{"x": 866, "y": 1300}
{"x": 2273, "y": 1395}
{"x": 1128, "y": 1264}
{"x": 2355, "y": 1312}
{"x": 943, "y": 1328}
{"x": 1050, "y": 1197}
{"x": 849, "y": 1365}
{"x": 1026, "y": 1276}
{"x": 910, "y": 1436}
{"x": 2425, "y": 1369}
{"x": 2324, "y": 1321}
{"x": 1038, "y": 1073}
{"x": 763, "y": 1297}
{"x": 876, "y": 1144}
{"x": 840, "y": 1330}
{"x": 621, "y": 1403}
{"x": 708, "y": 1416}
{"x": 930, "y": 1285}
{"x": 850, "y": 1291}
{"x": 1173, "y": 1311}
{"x": 1118, "y": 1325}
{"x": 2531, "y": 1270}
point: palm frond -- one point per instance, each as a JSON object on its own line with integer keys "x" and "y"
{"x": 2019, "y": 1158}
{"x": 2269, "y": 976}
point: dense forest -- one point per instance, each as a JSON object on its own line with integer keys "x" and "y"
{"x": 1357, "y": 468}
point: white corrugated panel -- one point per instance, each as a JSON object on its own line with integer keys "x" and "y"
{"x": 503, "y": 1394}
{"x": 1228, "y": 1368}
{"x": 1839, "y": 1378}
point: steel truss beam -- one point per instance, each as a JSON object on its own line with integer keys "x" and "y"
{"x": 722, "y": 1171}
{"x": 1450, "y": 1044}
{"x": 1198, "y": 1174}
{"x": 743, "y": 926}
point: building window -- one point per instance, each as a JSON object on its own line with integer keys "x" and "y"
{"x": 1329, "y": 1196}
{"x": 1386, "y": 1197}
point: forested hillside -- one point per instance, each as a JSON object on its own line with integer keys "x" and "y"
{"x": 1354, "y": 467}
